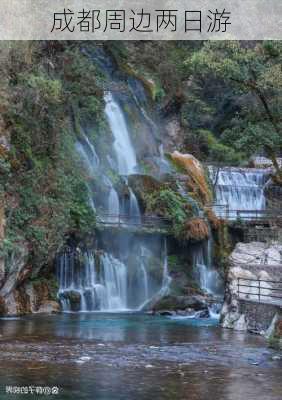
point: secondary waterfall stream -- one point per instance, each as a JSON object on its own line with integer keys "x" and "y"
{"x": 240, "y": 189}
{"x": 124, "y": 150}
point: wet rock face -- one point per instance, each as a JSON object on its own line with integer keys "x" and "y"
{"x": 49, "y": 307}
{"x": 19, "y": 295}
{"x": 73, "y": 297}
{"x": 173, "y": 303}
{"x": 16, "y": 270}
{"x": 174, "y": 134}
{"x": 251, "y": 262}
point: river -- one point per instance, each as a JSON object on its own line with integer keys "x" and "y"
{"x": 135, "y": 356}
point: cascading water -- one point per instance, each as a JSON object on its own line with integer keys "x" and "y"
{"x": 84, "y": 287}
{"x": 120, "y": 276}
{"x": 165, "y": 283}
{"x": 166, "y": 278}
{"x": 89, "y": 157}
{"x": 239, "y": 189}
{"x": 113, "y": 206}
{"x": 101, "y": 282}
{"x": 114, "y": 279}
{"x": 122, "y": 145}
{"x": 124, "y": 150}
{"x": 208, "y": 276}
{"x": 134, "y": 210}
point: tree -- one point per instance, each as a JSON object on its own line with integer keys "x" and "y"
{"x": 253, "y": 71}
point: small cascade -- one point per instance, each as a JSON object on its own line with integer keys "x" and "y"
{"x": 91, "y": 150}
{"x": 208, "y": 276}
{"x": 164, "y": 165}
{"x": 88, "y": 154}
{"x": 165, "y": 283}
{"x": 113, "y": 206}
{"x": 239, "y": 189}
{"x": 139, "y": 96}
{"x": 144, "y": 279}
{"x": 134, "y": 210}
{"x": 209, "y": 279}
{"x": 214, "y": 310}
{"x": 90, "y": 160}
{"x": 166, "y": 278}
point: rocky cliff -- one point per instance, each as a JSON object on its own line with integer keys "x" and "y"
{"x": 253, "y": 270}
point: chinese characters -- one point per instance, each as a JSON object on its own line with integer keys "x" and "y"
{"x": 141, "y": 20}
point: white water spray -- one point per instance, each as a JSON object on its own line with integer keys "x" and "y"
{"x": 239, "y": 189}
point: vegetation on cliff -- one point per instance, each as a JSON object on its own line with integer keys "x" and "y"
{"x": 52, "y": 89}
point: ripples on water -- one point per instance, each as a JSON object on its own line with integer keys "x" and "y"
{"x": 135, "y": 356}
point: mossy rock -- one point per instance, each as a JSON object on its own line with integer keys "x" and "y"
{"x": 180, "y": 303}
{"x": 143, "y": 185}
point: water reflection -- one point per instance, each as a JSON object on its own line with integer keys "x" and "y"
{"x": 135, "y": 356}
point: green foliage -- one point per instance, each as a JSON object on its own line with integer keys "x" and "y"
{"x": 169, "y": 204}
{"x": 49, "y": 90}
{"x": 51, "y": 195}
{"x": 215, "y": 150}
{"x": 253, "y": 74}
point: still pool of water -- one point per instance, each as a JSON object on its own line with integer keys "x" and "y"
{"x": 135, "y": 357}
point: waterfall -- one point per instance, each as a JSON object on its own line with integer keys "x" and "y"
{"x": 90, "y": 160}
{"x": 134, "y": 210}
{"x": 144, "y": 279}
{"x": 208, "y": 276}
{"x": 124, "y": 150}
{"x": 98, "y": 281}
{"x": 166, "y": 278}
{"x": 165, "y": 283}
{"x": 113, "y": 205}
{"x": 87, "y": 152}
{"x": 114, "y": 280}
{"x": 240, "y": 189}
{"x": 122, "y": 145}
{"x": 84, "y": 287}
